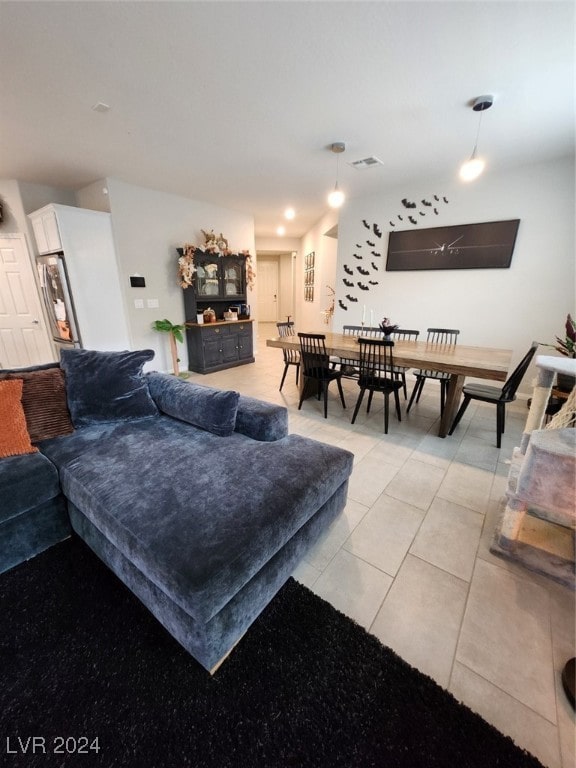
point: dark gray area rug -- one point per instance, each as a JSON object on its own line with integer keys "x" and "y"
{"x": 85, "y": 667}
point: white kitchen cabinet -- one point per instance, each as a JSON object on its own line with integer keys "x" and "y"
{"x": 46, "y": 232}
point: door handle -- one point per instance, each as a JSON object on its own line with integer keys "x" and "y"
{"x": 36, "y": 322}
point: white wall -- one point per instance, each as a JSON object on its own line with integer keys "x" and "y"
{"x": 505, "y": 308}
{"x": 309, "y": 313}
{"x": 148, "y": 227}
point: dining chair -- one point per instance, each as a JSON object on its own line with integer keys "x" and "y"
{"x": 400, "y": 371}
{"x": 316, "y": 366}
{"x": 291, "y": 356}
{"x": 441, "y": 336}
{"x": 377, "y": 375}
{"x": 498, "y": 396}
{"x": 349, "y": 367}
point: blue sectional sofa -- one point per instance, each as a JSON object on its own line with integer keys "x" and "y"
{"x": 198, "y": 499}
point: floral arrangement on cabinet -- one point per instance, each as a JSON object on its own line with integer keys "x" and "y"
{"x": 186, "y": 267}
{"x": 216, "y": 244}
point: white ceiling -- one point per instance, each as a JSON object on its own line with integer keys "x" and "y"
{"x": 234, "y": 103}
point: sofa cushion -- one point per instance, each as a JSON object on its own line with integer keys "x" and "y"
{"x": 223, "y": 508}
{"x": 106, "y": 386}
{"x": 44, "y": 402}
{"x": 14, "y": 436}
{"x": 26, "y": 482}
{"x": 211, "y": 409}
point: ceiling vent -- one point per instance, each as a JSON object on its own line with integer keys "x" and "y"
{"x": 366, "y": 162}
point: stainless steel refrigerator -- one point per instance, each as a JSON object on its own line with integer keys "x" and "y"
{"x": 58, "y": 300}
{"x": 80, "y": 281}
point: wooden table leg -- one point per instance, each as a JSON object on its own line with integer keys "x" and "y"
{"x": 451, "y": 404}
{"x": 308, "y": 387}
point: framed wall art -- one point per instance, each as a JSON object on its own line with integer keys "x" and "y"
{"x": 467, "y": 246}
{"x": 309, "y": 276}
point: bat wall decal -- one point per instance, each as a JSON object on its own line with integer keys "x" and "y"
{"x": 365, "y": 223}
{"x": 356, "y": 256}
{"x": 376, "y": 229}
{"x": 348, "y": 270}
{"x": 372, "y": 245}
{"x": 374, "y": 266}
{"x": 424, "y": 202}
{"x": 363, "y": 271}
{"x": 375, "y": 253}
{"x": 342, "y": 305}
{"x": 347, "y": 282}
{"x": 351, "y": 298}
{"x": 363, "y": 287}
{"x": 373, "y": 282}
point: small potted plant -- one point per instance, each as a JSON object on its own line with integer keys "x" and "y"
{"x": 175, "y": 334}
{"x": 566, "y": 347}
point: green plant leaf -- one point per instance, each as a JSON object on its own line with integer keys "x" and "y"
{"x": 164, "y": 326}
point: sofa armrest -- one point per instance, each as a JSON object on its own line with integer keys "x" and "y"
{"x": 262, "y": 421}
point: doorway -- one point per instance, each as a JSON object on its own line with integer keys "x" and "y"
{"x": 269, "y": 274}
{"x": 23, "y": 337}
{"x": 276, "y": 276}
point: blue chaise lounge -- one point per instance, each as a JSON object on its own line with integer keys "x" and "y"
{"x": 198, "y": 499}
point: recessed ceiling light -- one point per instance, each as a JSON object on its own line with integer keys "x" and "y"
{"x": 100, "y": 107}
{"x": 289, "y": 213}
{"x": 281, "y": 231}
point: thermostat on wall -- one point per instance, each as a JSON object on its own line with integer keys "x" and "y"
{"x": 137, "y": 281}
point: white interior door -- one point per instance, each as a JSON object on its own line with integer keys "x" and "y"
{"x": 23, "y": 337}
{"x": 268, "y": 290}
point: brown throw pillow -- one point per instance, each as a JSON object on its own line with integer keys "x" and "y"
{"x": 44, "y": 403}
{"x": 14, "y": 437}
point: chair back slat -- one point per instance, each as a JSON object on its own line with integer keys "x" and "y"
{"x": 513, "y": 382}
{"x": 313, "y": 353}
{"x": 402, "y": 334}
{"x": 447, "y": 336}
{"x": 376, "y": 361}
{"x": 442, "y": 335}
{"x": 361, "y": 330}
{"x": 287, "y": 329}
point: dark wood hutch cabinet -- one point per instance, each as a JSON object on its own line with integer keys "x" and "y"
{"x": 219, "y": 283}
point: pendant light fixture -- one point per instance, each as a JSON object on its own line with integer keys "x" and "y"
{"x": 336, "y": 197}
{"x": 473, "y": 167}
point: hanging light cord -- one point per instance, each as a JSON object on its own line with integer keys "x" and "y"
{"x": 477, "y": 136}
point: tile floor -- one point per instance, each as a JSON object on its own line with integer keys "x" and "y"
{"x": 409, "y": 557}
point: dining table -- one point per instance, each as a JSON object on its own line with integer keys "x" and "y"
{"x": 457, "y": 360}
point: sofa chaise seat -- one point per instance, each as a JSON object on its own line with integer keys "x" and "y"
{"x": 197, "y": 499}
